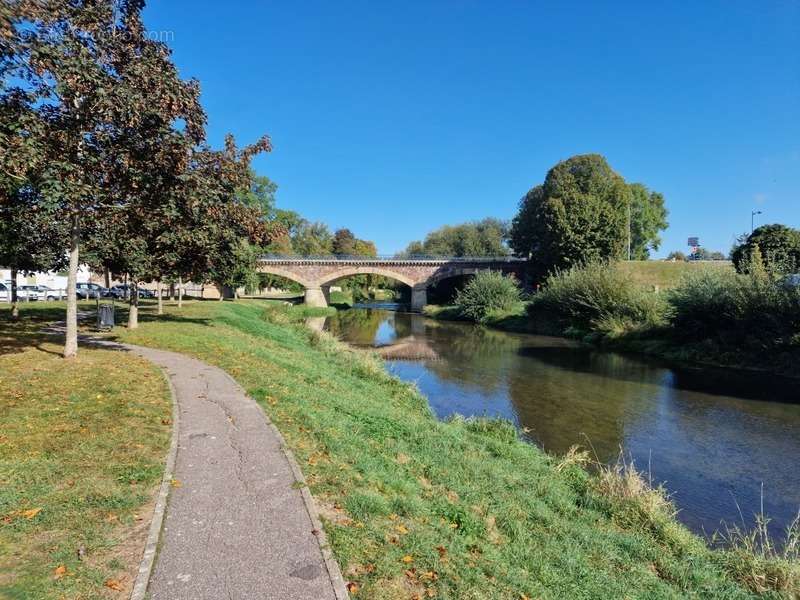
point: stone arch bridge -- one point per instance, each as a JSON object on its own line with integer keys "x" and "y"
{"x": 317, "y": 275}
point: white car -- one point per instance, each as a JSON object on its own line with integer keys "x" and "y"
{"x": 48, "y": 293}
{"x": 29, "y": 292}
{"x": 24, "y": 292}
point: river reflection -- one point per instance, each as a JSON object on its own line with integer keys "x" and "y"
{"x": 712, "y": 436}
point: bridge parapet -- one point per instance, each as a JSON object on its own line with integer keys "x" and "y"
{"x": 317, "y": 273}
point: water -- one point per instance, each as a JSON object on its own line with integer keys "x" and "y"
{"x": 713, "y": 437}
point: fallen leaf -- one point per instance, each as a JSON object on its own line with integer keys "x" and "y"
{"x": 441, "y": 550}
{"x": 401, "y": 529}
{"x": 29, "y": 514}
{"x": 59, "y": 571}
{"x": 352, "y": 587}
{"x": 175, "y": 483}
{"x": 113, "y": 584}
{"x": 407, "y": 558}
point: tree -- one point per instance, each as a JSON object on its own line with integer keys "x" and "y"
{"x": 344, "y": 242}
{"x": 31, "y": 238}
{"x": 578, "y": 215}
{"x": 222, "y": 235}
{"x": 778, "y": 245}
{"x": 312, "y": 239}
{"x": 477, "y": 238}
{"x": 93, "y": 88}
{"x": 648, "y": 218}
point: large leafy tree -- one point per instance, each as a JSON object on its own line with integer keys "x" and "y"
{"x": 102, "y": 101}
{"x": 778, "y": 245}
{"x": 478, "y": 238}
{"x": 648, "y": 219}
{"x": 578, "y": 215}
{"x": 221, "y": 235}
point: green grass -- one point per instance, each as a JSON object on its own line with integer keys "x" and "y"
{"x": 416, "y": 507}
{"x": 666, "y": 274}
{"x": 82, "y": 446}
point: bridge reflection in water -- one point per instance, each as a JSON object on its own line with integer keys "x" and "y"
{"x": 711, "y": 435}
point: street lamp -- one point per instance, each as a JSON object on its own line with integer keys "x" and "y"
{"x": 752, "y": 219}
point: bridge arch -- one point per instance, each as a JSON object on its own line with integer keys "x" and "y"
{"x": 453, "y": 272}
{"x": 329, "y": 278}
{"x": 290, "y": 274}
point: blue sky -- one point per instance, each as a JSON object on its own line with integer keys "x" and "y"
{"x": 393, "y": 119}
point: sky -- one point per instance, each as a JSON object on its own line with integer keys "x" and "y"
{"x": 395, "y": 118}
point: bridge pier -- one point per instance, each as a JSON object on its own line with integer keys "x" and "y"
{"x": 419, "y": 297}
{"x": 316, "y": 297}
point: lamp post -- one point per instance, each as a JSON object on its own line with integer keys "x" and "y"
{"x": 752, "y": 219}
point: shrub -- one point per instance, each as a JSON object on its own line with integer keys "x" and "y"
{"x": 735, "y": 309}
{"x": 488, "y": 292}
{"x": 598, "y": 297}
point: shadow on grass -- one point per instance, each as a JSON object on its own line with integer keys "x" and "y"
{"x": 28, "y": 331}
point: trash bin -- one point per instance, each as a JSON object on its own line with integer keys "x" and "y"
{"x": 105, "y": 316}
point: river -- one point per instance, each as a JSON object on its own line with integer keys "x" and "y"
{"x": 714, "y": 437}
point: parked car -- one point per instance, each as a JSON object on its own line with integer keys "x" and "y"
{"x": 28, "y": 293}
{"x": 49, "y": 293}
{"x": 86, "y": 291}
{"x": 5, "y": 292}
{"x": 124, "y": 292}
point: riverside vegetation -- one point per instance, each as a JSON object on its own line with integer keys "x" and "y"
{"x": 711, "y": 315}
{"x": 416, "y": 507}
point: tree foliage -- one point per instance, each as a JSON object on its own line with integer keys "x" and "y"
{"x": 648, "y": 218}
{"x": 778, "y": 245}
{"x": 478, "y": 238}
{"x": 107, "y": 137}
{"x": 580, "y": 214}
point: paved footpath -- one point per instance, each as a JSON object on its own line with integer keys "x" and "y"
{"x": 237, "y": 525}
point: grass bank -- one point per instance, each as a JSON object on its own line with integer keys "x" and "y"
{"x": 82, "y": 447}
{"x": 667, "y": 274}
{"x": 415, "y": 507}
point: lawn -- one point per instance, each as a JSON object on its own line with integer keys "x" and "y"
{"x": 82, "y": 447}
{"x": 666, "y": 274}
{"x": 415, "y": 507}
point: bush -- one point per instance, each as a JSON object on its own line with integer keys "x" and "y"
{"x": 488, "y": 292}
{"x": 735, "y": 309}
{"x": 598, "y": 297}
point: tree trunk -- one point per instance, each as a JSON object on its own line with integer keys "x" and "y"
{"x": 14, "y": 297}
{"x": 133, "y": 314}
{"x": 108, "y": 278}
{"x": 172, "y": 293}
{"x": 180, "y": 292}
{"x": 71, "y": 342}
{"x": 221, "y": 290}
{"x": 159, "y": 293}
